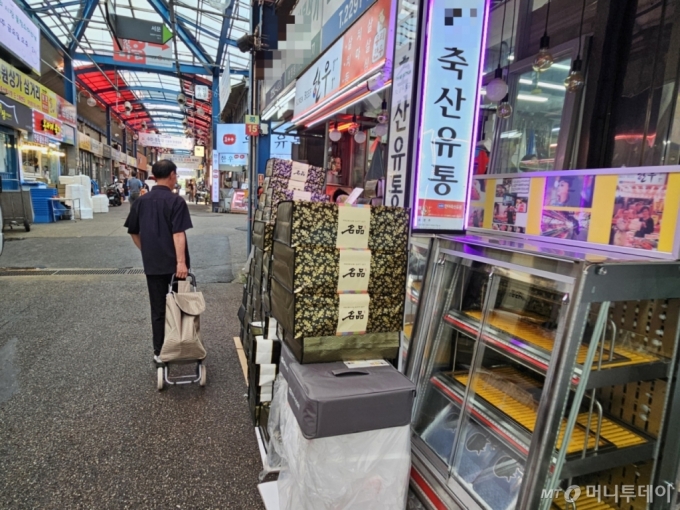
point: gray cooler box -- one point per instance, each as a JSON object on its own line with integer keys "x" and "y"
{"x": 286, "y": 359}
{"x": 329, "y": 399}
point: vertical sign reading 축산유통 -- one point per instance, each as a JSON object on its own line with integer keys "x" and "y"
{"x": 452, "y": 61}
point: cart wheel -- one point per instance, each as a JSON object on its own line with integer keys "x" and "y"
{"x": 27, "y": 226}
{"x": 159, "y": 374}
{"x": 204, "y": 376}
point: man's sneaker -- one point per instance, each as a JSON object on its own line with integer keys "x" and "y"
{"x": 157, "y": 359}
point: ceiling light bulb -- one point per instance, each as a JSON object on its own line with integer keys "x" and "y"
{"x": 360, "y": 137}
{"x": 497, "y": 88}
{"x": 380, "y": 129}
{"x": 200, "y": 111}
{"x": 504, "y": 110}
{"x": 335, "y": 135}
{"x": 544, "y": 59}
{"x": 91, "y": 101}
{"x": 576, "y": 80}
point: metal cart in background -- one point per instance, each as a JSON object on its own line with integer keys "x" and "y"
{"x": 15, "y": 204}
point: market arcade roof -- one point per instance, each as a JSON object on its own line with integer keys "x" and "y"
{"x": 204, "y": 35}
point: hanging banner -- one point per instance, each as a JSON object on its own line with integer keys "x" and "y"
{"x": 166, "y": 141}
{"x": 199, "y": 151}
{"x": 47, "y": 126}
{"x": 106, "y": 150}
{"x": 401, "y": 111}
{"x": 182, "y": 161}
{"x": 451, "y": 80}
{"x": 225, "y": 85}
{"x": 20, "y": 35}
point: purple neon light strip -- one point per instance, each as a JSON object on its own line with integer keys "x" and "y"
{"x": 478, "y": 98}
{"x": 423, "y": 90}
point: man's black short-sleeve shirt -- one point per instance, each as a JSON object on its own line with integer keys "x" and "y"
{"x": 156, "y": 216}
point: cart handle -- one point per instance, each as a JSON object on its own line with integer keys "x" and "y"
{"x": 189, "y": 275}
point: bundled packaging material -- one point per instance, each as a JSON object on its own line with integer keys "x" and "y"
{"x": 342, "y": 226}
{"x": 362, "y": 471}
{"x": 330, "y": 399}
{"x": 100, "y": 204}
{"x": 266, "y": 351}
{"x": 320, "y": 270}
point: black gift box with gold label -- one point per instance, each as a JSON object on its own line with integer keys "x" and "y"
{"x": 316, "y": 270}
{"x": 316, "y": 224}
{"x": 313, "y": 315}
{"x": 263, "y": 233}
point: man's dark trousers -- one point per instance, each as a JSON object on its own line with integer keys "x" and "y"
{"x": 158, "y": 289}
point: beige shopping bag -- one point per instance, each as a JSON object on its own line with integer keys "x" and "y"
{"x": 183, "y": 325}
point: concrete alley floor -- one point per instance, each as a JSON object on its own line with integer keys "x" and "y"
{"x": 81, "y": 423}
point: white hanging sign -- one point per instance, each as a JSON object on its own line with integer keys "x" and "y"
{"x": 453, "y": 59}
{"x": 166, "y": 141}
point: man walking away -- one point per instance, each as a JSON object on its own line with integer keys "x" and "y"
{"x": 157, "y": 223}
{"x": 135, "y": 186}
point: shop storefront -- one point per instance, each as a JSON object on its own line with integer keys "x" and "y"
{"x": 107, "y": 173}
{"x": 42, "y": 157}
{"x": 540, "y": 317}
{"x": 16, "y": 122}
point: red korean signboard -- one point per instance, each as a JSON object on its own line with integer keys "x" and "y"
{"x": 47, "y": 126}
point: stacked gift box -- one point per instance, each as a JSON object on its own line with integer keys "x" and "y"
{"x": 338, "y": 280}
{"x": 337, "y": 285}
{"x": 284, "y": 180}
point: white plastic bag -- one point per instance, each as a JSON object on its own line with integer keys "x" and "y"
{"x": 363, "y": 471}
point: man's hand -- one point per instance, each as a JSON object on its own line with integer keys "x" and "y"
{"x": 137, "y": 240}
{"x": 182, "y": 271}
{"x": 180, "y": 241}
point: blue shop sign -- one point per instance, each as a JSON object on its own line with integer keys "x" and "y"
{"x": 341, "y": 19}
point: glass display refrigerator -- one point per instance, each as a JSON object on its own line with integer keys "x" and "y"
{"x": 419, "y": 249}
{"x": 545, "y": 377}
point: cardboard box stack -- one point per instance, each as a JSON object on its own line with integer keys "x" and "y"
{"x": 284, "y": 180}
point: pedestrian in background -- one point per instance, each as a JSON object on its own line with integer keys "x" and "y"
{"x": 135, "y": 187}
{"x": 158, "y": 222}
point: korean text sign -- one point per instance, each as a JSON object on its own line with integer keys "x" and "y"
{"x": 48, "y": 126}
{"x": 19, "y": 34}
{"x": 401, "y": 110}
{"x": 452, "y": 60}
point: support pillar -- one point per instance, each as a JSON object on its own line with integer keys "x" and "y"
{"x": 215, "y": 175}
